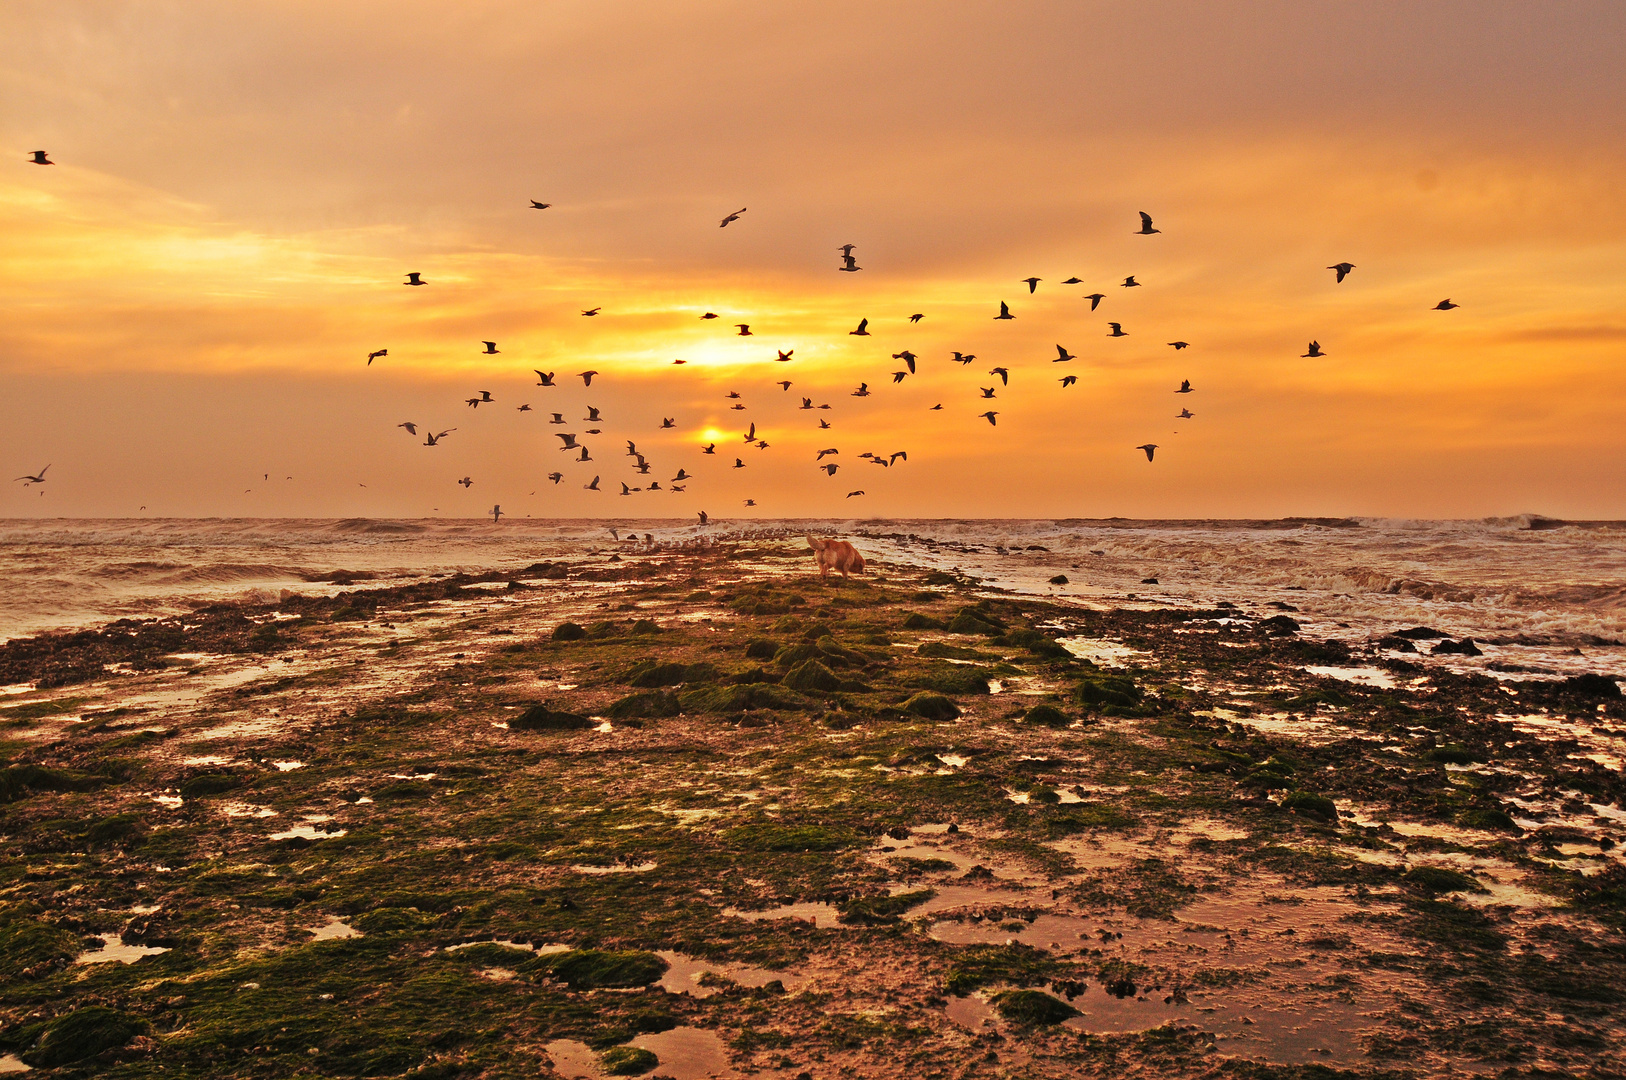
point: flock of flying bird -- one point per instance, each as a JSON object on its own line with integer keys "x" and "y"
{"x": 751, "y": 437}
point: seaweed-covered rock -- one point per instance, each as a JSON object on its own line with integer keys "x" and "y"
{"x": 644, "y": 626}
{"x": 628, "y": 1060}
{"x": 82, "y": 1034}
{"x": 738, "y": 698}
{"x": 1310, "y": 805}
{"x": 1452, "y": 755}
{"x": 881, "y": 910}
{"x": 762, "y": 649}
{"x": 541, "y": 718}
{"x": 916, "y": 621}
{"x": 767, "y": 836}
{"x": 812, "y": 675}
{"x": 392, "y": 920}
{"x": 1030, "y": 1008}
{"x": 569, "y": 631}
{"x": 1116, "y": 691}
{"x": 970, "y": 621}
{"x": 942, "y": 650}
{"x": 21, "y": 781}
{"x": 29, "y": 949}
{"x": 1590, "y": 685}
{"x": 649, "y": 674}
{"x": 654, "y": 703}
{"x": 1047, "y": 716}
{"x": 207, "y": 784}
{"x": 1465, "y": 647}
{"x": 1279, "y": 625}
{"x": 1436, "y": 880}
{"x": 952, "y": 679}
{"x": 595, "y": 969}
{"x": 932, "y": 707}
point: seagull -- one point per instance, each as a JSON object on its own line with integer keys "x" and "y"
{"x": 863, "y": 329}
{"x": 539, "y": 205}
{"x": 865, "y": 394}
{"x": 525, "y": 408}
{"x": 1033, "y": 283}
{"x": 680, "y": 361}
{"x": 850, "y": 494}
{"x": 846, "y": 249}
{"x": 415, "y": 278}
{"x": 412, "y": 428}
{"x": 1130, "y": 282}
{"x": 783, "y": 384}
{"x": 473, "y": 402}
{"x": 490, "y": 348}
{"x": 709, "y": 315}
{"x": 908, "y": 358}
{"x": 1146, "y": 225}
{"x": 466, "y": 482}
{"x": 681, "y": 476}
{"x": 830, "y": 469}
{"x": 987, "y": 391}
{"x": 807, "y": 403}
{"x": 1149, "y": 448}
{"x": 1095, "y": 299}
{"x": 1117, "y": 330}
{"x": 1062, "y": 356}
{"x": 668, "y": 421}
{"x": 585, "y": 456}
{"x": 745, "y": 329}
{"x": 1185, "y": 387}
{"x": 916, "y": 317}
{"x": 704, "y": 517}
{"x": 849, "y": 265}
{"x": 30, "y": 481}
{"x": 1184, "y": 414}
{"x": 592, "y": 416}
{"x": 590, "y": 312}
{"x": 783, "y": 355}
{"x": 989, "y": 416}
{"x": 735, "y": 216}
{"x": 569, "y": 439}
{"x": 1004, "y": 375}
{"x": 1068, "y": 380}
{"x": 375, "y": 355}
{"x": 1315, "y": 350}
{"x": 1342, "y": 269}
{"x": 824, "y": 425}
{"x": 935, "y": 408}
{"x": 545, "y": 378}
{"x": 962, "y": 358}
{"x": 496, "y": 513}
{"x": 738, "y": 464}
{"x": 632, "y": 449}
{"x": 39, "y": 158}
{"x": 556, "y": 476}
{"x": 591, "y": 487}
{"x": 558, "y": 418}
{"x": 431, "y": 438}
{"x": 1073, "y": 281}
{"x": 750, "y": 502}
{"x": 1004, "y": 311}
{"x": 737, "y": 408}
{"x": 733, "y": 394}
{"x": 762, "y": 444}
{"x": 1445, "y": 305}
{"x": 625, "y": 490}
{"x": 1178, "y": 345}
{"x": 751, "y": 436}
{"x": 824, "y": 453}
{"x": 587, "y": 377}
{"x": 862, "y": 391}
{"x": 711, "y": 449}
{"x": 899, "y": 376}
{"x": 896, "y": 454}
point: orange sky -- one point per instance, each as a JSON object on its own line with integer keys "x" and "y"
{"x": 188, "y": 296}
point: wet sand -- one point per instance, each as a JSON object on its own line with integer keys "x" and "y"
{"x": 753, "y": 823}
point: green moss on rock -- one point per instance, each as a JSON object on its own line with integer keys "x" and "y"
{"x": 628, "y": 1060}
{"x": 597, "y": 969}
{"x": 1030, "y": 1008}
{"x": 541, "y": 718}
{"x": 83, "y": 1034}
{"x": 932, "y": 707}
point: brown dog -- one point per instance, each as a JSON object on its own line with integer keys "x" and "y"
{"x": 836, "y": 555}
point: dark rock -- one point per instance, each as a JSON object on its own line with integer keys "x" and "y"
{"x": 1047, "y": 716}
{"x": 651, "y": 704}
{"x": 1589, "y": 685}
{"x": 1310, "y": 805}
{"x": 1397, "y": 643}
{"x": 812, "y": 675}
{"x": 762, "y": 649}
{"x": 1279, "y": 625}
{"x": 1418, "y": 633}
{"x": 1465, "y": 647}
{"x": 916, "y": 621}
{"x": 932, "y": 707}
{"x": 1148, "y": 581}
{"x": 541, "y": 718}
{"x": 82, "y": 1034}
{"x": 1031, "y": 1008}
{"x": 1059, "y": 579}
{"x": 568, "y": 631}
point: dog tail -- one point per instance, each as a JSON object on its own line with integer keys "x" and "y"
{"x": 816, "y": 545}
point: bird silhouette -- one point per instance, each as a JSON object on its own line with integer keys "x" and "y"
{"x": 525, "y": 408}
{"x": 584, "y": 455}
{"x": 745, "y": 329}
{"x": 592, "y": 416}
{"x": 412, "y": 429}
{"x": 822, "y": 454}
{"x": 1342, "y": 270}
{"x": 466, "y": 482}
{"x": 415, "y": 278}
{"x": 1150, "y": 448}
{"x": 1445, "y": 305}
{"x": 1062, "y": 356}
{"x": 733, "y": 394}
{"x": 539, "y": 205}
{"x": 737, "y": 408}
{"x": 824, "y": 425}
{"x": 490, "y": 348}
{"x": 431, "y": 438}
{"x": 1117, "y": 330}
{"x": 632, "y": 449}
{"x": 1068, "y": 380}
{"x": 593, "y": 486}
{"x": 38, "y": 478}
{"x": 829, "y": 468}
{"x": 681, "y": 476}
{"x": 1185, "y": 387}
{"x": 783, "y": 384}
{"x": 668, "y": 421}
{"x": 1146, "y": 225}
{"x": 850, "y": 494}
{"x": 625, "y": 490}
{"x": 590, "y": 312}
{"x": 964, "y": 358}
{"x": 704, "y": 517}
{"x": 587, "y": 377}
{"x": 558, "y": 418}
{"x": 1033, "y": 283}
{"x": 1095, "y": 299}
{"x": 709, "y": 315}
{"x": 710, "y": 449}
{"x": 846, "y": 249}
{"x": 735, "y": 216}
{"x": 1073, "y": 281}
{"x": 862, "y": 391}
{"x": 1130, "y": 282}
{"x": 987, "y": 391}
{"x": 1184, "y": 414}
{"x": 849, "y": 265}
{"x": 569, "y": 439}
{"x": 680, "y": 361}
{"x": 1178, "y": 345}
{"x": 1004, "y": 375}
{"x": 1315, "y": 350}
{"x": 807, "y": 403}
{"x": 892, "y": 458}
{"x": 908, "y": 358}
{"x": 783, "y": 355}
{"x": 544, "y": 378}
{"x": 916, "y": 317}
{"x": 936, "y": 408}
{"x": 863, "y": 329}
{"x": 556, "y": 477}
{"x": 375, "y": 355}
{"x": 750, "y": 436}
{"x": 899, "y": 376}
{"x": 39, "y": 158}
{"x": 750, "y": 502}
{"x": 1004, "y": 311}
{"x": 496, "y": 512}
{"x": 738, "y": 464}
{"x": 989, "y": 416}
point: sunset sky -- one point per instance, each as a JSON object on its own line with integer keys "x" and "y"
{"x": 188, "y": 296}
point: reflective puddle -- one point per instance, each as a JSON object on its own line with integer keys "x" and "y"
{"x": 115, "y": 951}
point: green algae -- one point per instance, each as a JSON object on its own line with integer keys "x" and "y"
{"x": 598, "y": 969}
{"x": 628, "y": 1060}
{"x": 1031, "y": 1008}
{"x": 84, "y": 1033}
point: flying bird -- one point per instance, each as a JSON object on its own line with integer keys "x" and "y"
{"x": 1130, "y": 282}
{"x": 681, "y": 476}
{"x": 745, "y": 329}
{"x": 432, "y": 437}
{"x": 735, "y": 216}
{"x": 1342, "y": 269}
{"x": 545, "y": 378}
{"x": 1150, "y": 448}
{"x": 750, "y": 436}
{"x": 593, "y": 486}
{"x": 1004, "y": 311}
{"x": 962, "y": 358}
{"x": 862, "y": 391}
{"x": 899, "y": 376}
{"x": 908, "y": 358}
{"x": 415, "y": 278}
{"x": 632, "y": 450}
{"x": 850, "y": 494}
{"x": 668, "y": 421}
{"x": 584, "y": 455}
{"x": 989, "y": 416}
{"x": 592, "y": 416}
{"x": 1315, "y": 350}
{"x": 587, "y": 377}
{"x": 709, "y": 449}
{"x": 1068, "y": 380}
{"x": 1445, "y": 305}
{"x": 935, "y": 408}
{"x": 375, "y": 355}
{"x": 1178, "y": 345}
{"x": 737, "y": 408}
{"x": 1033, "y": 283}
{"x": 412, "y": 429}
{"x": 849, "y": 265}
{"x": 539, "y": 205}
{"x": 704, "y": 517}
{"x": 1184, "y": 414}
{"x": 807, "y": 403}
{"x": 1073, "y": 281}
{"x": 466, "y": 482}
{"x": 863, "y": 329}
{"x": 1117, "y": 330}
{"x": 1146, "y": 225}
{"x": 30, "y": 481}
{"x": 558, "y": 418}
{"x": 783, "y": 384}
{"x": 824, "y": 425}
{"x": 680, "y": 361}
{"x": 1004, "y": 375}
{"x": 1062, "y": 356}
{"x": 1185, "y": 387}
{"x": 569, "y": 439}
{"x": 846, "y": 249}
{"x": 916, "y": 317}
{"x": 590, "y": 312}
{"x": 625, "y": 490}
{"x": 709, "y": 315}
{"x": 1095, "y": 299}
{"x": 750, "y": 502}
{"x": 490, "y": 348}
{"x": 896, "y": 454}
{"x": 525, "y": 408}
{"x": 987, "y": 391}
{"x": 39, "y": 158}
{"x": 733, "y": 394}
{"x": 556, "y": 476}
{"x": 738, "y": 464}
{"x": 829, "y": 469}
{"x": 824, "y": 453}
{"x": 783, "y": 355}
{"x": 496, "y": 512}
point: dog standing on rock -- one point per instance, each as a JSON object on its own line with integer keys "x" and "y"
{"x": 836, "y": 555}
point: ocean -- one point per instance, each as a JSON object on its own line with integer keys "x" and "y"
{"x": 1536, "y": 594}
